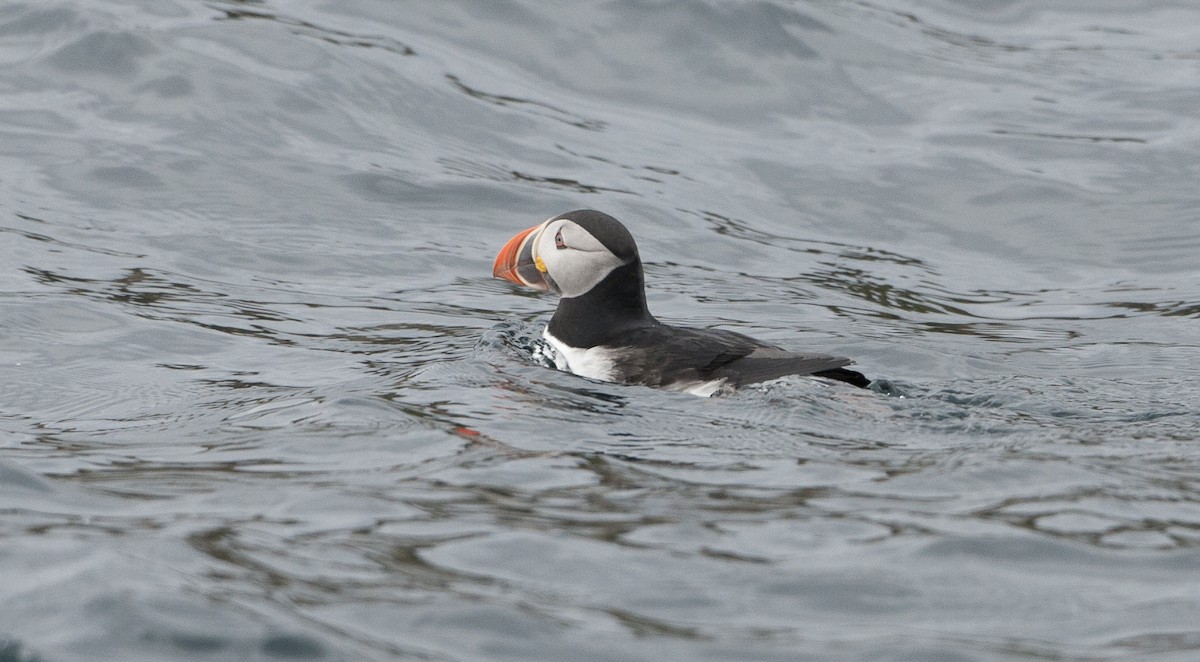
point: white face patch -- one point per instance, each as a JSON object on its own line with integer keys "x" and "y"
{"x": 574, "y": 259}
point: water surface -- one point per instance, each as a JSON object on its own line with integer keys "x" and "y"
{"x": 260, "y": 400}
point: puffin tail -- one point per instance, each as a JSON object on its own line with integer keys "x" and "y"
{"x": 844, "y": 375}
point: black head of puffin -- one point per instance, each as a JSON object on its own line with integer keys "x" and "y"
{"x": 567, "y": 254}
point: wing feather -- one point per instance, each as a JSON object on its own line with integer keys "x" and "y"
{"x": 671, "y": 354}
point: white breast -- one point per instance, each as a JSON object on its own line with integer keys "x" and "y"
{"x": 594, "y": 362}
{"x": 598, "y": 363}
{"x": 702, "y": 389}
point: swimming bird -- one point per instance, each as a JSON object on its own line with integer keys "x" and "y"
{"x": 603, "y": 329}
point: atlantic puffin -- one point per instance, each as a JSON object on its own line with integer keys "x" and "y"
{"x": 602, "y": 328}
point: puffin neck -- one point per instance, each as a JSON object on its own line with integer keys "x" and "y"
{"x": 615, "y": 304}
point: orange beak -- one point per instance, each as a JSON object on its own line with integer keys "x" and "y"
{"x": 516, "y": 261}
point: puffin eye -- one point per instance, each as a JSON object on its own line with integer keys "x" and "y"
{"x": 558, "y": 241}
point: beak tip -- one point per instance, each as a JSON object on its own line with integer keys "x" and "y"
{"x": 517, "y": 263}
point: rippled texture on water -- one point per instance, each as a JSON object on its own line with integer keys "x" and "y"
{"x": 260, "y": 400}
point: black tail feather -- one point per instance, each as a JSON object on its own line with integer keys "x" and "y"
{"x": 844, "y": 375}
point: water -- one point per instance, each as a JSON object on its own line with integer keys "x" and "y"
{"x": 260, "y": 400}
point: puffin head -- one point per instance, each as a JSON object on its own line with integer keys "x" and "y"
{"x": 568, "y": 254}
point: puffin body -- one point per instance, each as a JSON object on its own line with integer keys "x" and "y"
{"x": 602, "y": 328}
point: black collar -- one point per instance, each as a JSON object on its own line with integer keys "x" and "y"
{"x": 615, "y": 304}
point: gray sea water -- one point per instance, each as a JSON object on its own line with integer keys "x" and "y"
{"x": 260, "y": 398}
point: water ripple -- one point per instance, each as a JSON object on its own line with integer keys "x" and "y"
{"x": 260, "y": 399}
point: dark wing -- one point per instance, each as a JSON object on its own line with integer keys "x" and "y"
{"x": 671, "y": 353}
{"x": 770, "y": 363}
